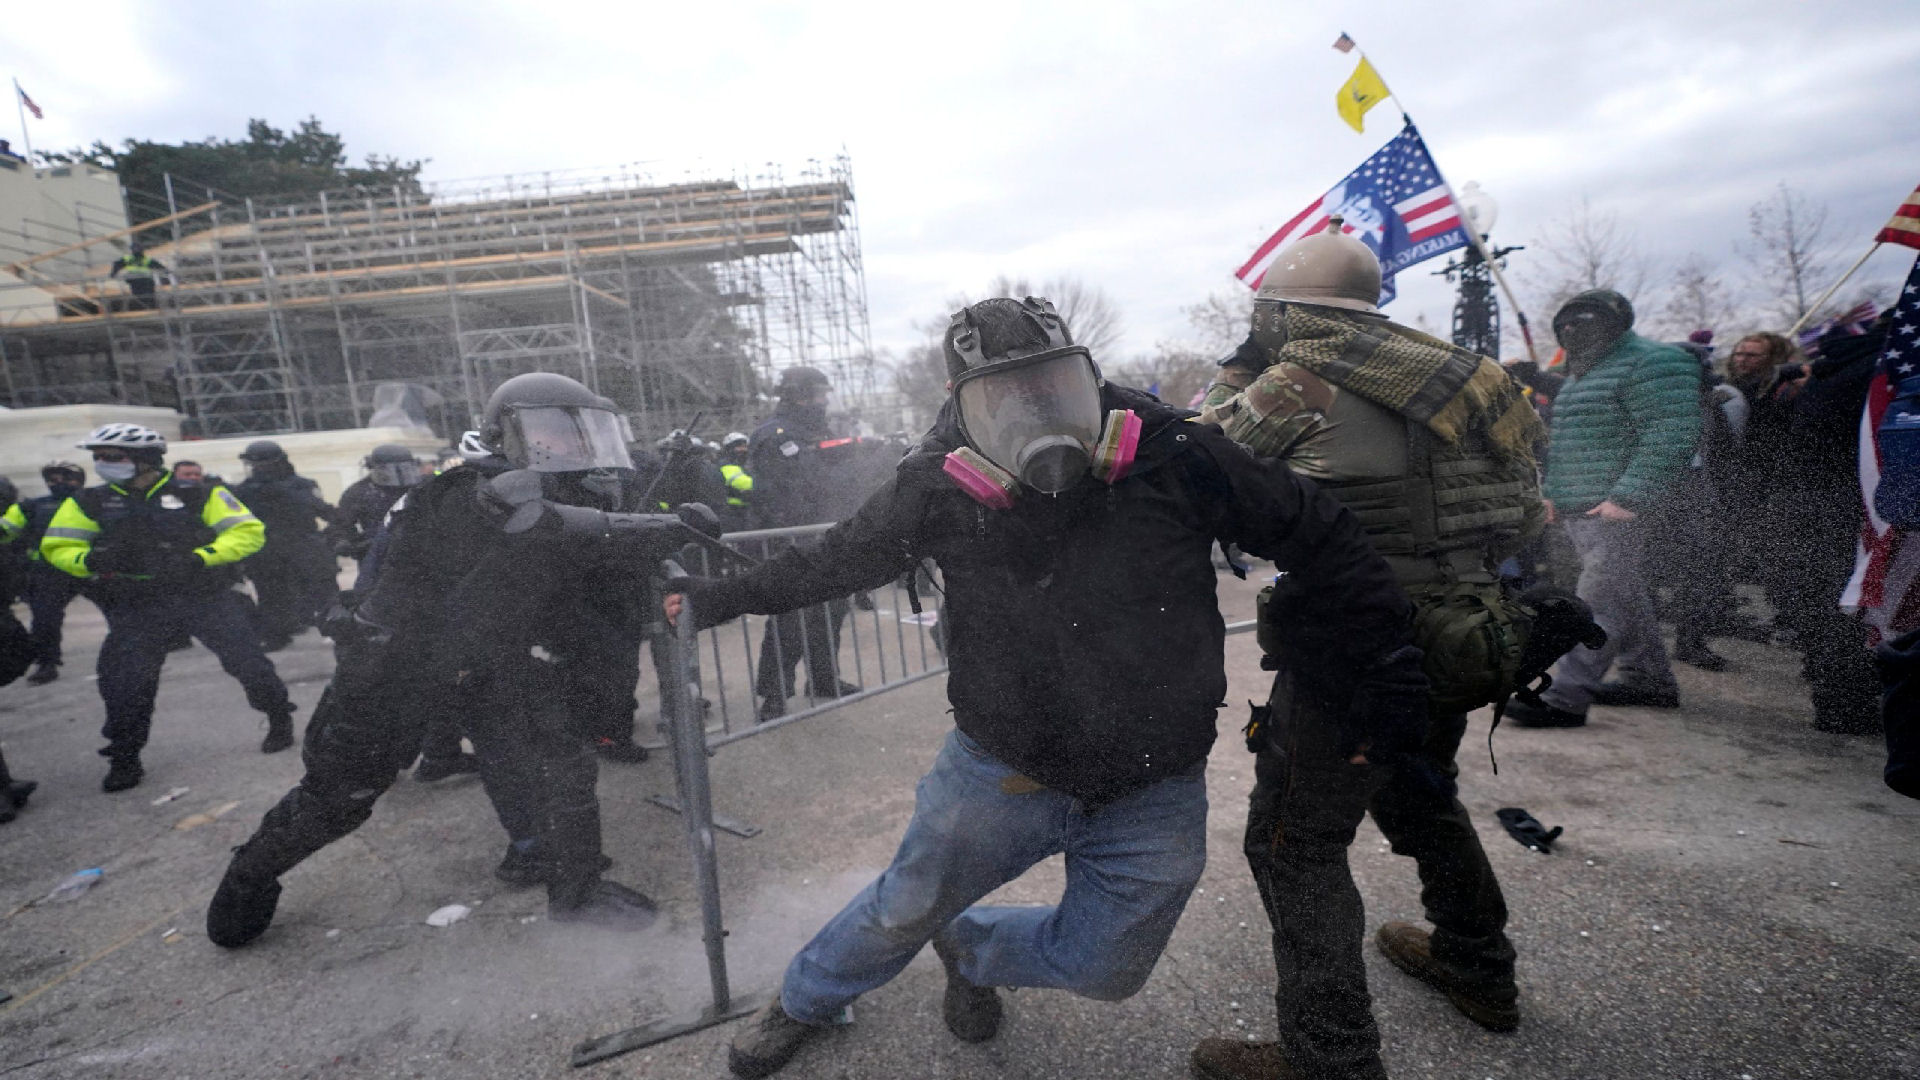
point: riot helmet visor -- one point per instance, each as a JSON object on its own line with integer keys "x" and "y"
{"x": 394, "y": 474}
{"x": 565, "y": 438}
{"x": 1038, "y": 417}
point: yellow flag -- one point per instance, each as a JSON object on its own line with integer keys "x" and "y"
{"x": 1363, "y": 91}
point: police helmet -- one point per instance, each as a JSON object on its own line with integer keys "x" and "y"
{"x": 59, "y": 466}
{"x": 550, "y": 423}
{"x": 1329, "y": 268}
{"x": 392, "y": 465}
{"x": 734, "y": 440}
{"x": 801, "y": 380}
{"x": 263, "y": 450}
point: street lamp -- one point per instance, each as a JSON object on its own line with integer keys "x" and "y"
{"x": 1476, "y": 311}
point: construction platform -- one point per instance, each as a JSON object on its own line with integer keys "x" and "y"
{"x": 670, "y": 298}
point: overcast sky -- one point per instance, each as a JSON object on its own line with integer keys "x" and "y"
{"x": 1146, "y": 149}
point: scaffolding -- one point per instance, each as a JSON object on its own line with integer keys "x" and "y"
{"x": 672, "y": 298}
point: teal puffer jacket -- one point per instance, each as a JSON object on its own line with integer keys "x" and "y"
{"x": 1624, "y": 430}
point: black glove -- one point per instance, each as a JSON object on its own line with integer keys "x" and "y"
{"x": 1388, "y": 714}
{"x": 109, "y": 559}
{"x": 177, "y": 563}
{"x": 352, "y": 549}
{"x": 1526, "y": 829}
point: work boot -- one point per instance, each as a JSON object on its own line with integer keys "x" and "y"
{"x": 1493, "y": 1006}
{"x": 1695, "y": 651}
{"x": 242, "y": 907}
{"x": 1237, "y": 1059}
{"x": 972, "y": 1012}
{"x": 771, "y": 708}
{"x": 1542, "y": 716}
{"x": 279, "y": 732}
{"x": 13, "y": 793}
{"x": 768, "y": 1041}
{"x": 44, "y": 672}
{"x": 123, "y": 772}
{"x": 431, "y": 769}
{"x": 1627, "y": 695}
{"x": 605, "y": 904}
{"x": 626, "y": 752}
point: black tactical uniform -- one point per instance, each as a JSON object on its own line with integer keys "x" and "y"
{"x": 791, "y": 487}
{"x": 294, "y": 574}
{"x": 492, "y": 623}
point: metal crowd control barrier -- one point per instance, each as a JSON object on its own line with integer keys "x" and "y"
{"x": 700, "y": 711}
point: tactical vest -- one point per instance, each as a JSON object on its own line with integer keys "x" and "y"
{"x": 1438, "y": 521}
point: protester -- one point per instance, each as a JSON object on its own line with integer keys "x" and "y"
{"x": 1624, "y": 427}
{"x": 1073, "y": 523}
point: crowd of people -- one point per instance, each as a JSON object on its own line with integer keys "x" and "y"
{"x": 1447, "y": 535}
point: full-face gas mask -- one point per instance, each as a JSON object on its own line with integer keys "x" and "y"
{"x": 1030, "y": 412}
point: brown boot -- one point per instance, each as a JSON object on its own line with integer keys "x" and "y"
{"x": 1237, "y": 1059}
{"x": 1410, "y": 948}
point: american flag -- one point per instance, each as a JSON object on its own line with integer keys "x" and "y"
{"x": 28, "y": 102}
{"x": 1905, "y": 226}
{"x": 1344, "y": 43}
{"x": 1886, "y": 574}
{"x": 1395, "y": 201}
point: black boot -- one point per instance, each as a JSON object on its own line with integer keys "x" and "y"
{"x": 431, "y": 769}
{"x": 972, "y": 1012}
{"x": 123, "y": 772}
{"x": 279, "y": 731}
{"x": 13, "y": 793}
{"x": 242, "y": 907}
{"x": 605, "y": 904}
{"x": 1693, "y": 650}
{"x": 44, "y": 672}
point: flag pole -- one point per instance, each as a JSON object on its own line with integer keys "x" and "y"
{"x": 1473, "y": 234}
{"x": 19, "y": 104}
{"x": 1828, "y": 295}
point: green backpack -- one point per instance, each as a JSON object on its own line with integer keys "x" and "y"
{"x": 1474, "y": 636}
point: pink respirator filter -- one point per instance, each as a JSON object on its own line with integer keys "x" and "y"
{"x": 987, "y": 483}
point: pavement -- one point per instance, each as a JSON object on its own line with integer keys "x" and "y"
{"x": 1733, "y": 898}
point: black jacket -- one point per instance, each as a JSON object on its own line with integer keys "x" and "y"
{"x": 1084, "y": 634}
{"x": 289, "y": 506}
{"x": 363, "y": 506}
{"x": 790, "y": 487}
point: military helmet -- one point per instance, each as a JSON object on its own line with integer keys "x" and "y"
{"x": 800, "y": 380}
{"x": 263, "y": 450}
{"x": 1329, "y": 268}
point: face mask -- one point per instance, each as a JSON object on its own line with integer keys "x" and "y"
{"x": 64, "y": 491}
{"x": 991, "y": 486}
{"x": 115, "y": 472}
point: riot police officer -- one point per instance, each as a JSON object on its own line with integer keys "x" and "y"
{"x": 294, "y": 573}
{"x": 391, "y": 470}
{"x": 785, "y": 459}
{"x": 492, "y": 619}
{"x": 46, "y": 590}
{"x": 157, "y": 560}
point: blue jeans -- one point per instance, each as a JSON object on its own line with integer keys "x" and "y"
{"x": 1131, "y": 865}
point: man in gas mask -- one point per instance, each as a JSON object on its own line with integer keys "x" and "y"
{"x": 1073, "y": 521}
{"x": 295, "y": 574}
{"x": 46, "y": 590}
{"x": 1432, "y": 447}
{"x": 1625, "y": 427}
{"x": 493, "y": 620}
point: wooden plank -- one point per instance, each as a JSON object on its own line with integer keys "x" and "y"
{"x": 21, "y": 266}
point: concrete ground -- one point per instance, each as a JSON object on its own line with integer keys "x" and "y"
{"x": 1734, "y": 898}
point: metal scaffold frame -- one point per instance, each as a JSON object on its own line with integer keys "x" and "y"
{"x": 671, "y": 297}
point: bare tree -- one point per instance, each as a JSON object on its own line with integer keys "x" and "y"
{"x": 1090, "y": 313}
{"x": 1181, "y": 369}
{"x": 1695, "y": 300}
{"x": 1790, "y": 252}
{"x": 1586, "y": 250}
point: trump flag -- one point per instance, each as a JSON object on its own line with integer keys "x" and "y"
{"x": 1395, "y": 202}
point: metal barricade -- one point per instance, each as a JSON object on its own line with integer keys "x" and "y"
{"x": 710, "y": 685}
